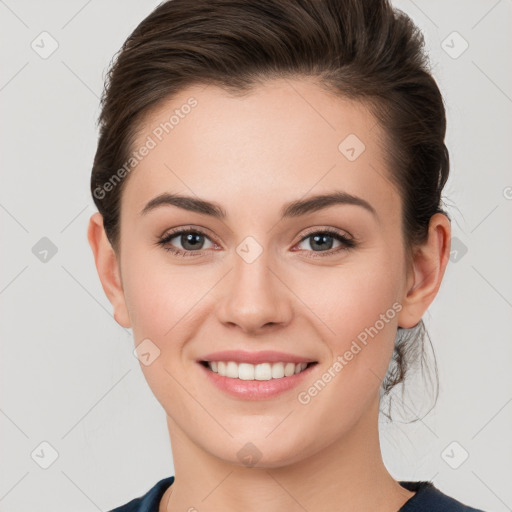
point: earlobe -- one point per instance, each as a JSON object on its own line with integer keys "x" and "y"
{"x": 108, "y": 268}
{"x": 429, "y": 264}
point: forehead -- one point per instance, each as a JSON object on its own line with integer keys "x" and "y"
{"x": 282, "y": 140}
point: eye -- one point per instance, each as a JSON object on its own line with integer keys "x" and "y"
{"x": 323, "y": 241}
{"x": 192, "y": 242}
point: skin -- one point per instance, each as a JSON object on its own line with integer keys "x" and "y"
{"x": 252, "y": 155}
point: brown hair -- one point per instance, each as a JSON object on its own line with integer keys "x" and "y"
{"x": 363, "y": 50}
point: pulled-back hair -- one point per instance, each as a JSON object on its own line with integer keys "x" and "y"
{"x": 363, "y": 50}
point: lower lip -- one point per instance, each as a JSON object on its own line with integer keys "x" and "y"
{"x": 256, "y": 389}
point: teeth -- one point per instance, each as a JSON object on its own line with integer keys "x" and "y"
{"x": 262, "y": 371}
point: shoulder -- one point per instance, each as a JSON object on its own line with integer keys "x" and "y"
{"x": 148, "y": 502}
{"x": 430, "y": 499}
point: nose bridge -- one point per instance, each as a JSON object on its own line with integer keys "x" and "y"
{"x": 254, "y": 296}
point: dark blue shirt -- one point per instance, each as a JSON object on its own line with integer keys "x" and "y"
{"x": 427, "y": 499}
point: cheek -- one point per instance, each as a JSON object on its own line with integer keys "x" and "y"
{"x": 165, "y": 299}
{"x": 162, "y": 302}
{"x": 358, "y": 305}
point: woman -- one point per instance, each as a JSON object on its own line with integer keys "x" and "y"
{"x": 268, "y": 178}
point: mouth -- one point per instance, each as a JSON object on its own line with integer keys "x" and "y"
{"x": 261, "y": 381}
{"x": 256, "y": 372}
{"x": 250, "y": 375}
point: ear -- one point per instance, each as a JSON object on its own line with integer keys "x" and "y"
{"x": 428, "y": 265}
{"x": 108, "y": 268}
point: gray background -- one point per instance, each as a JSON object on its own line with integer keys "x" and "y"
{"x": 68, "y": 375}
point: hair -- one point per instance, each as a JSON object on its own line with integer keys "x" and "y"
{"x": 363, "y": 50}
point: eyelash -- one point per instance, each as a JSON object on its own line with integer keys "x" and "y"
{"x": 347, "y": 243}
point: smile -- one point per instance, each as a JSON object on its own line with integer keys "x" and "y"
{"x": 261, "y": 381}
{"x": 261, "y": 371}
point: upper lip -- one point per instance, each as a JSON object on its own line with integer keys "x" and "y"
{"x": 266, "y": 356}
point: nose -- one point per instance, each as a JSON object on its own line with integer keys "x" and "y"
{"x": 254, "y": 297}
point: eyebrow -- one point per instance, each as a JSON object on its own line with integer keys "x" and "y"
{"x": 293, "y": 209}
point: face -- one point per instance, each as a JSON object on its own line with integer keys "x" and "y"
{"x": 313, "y": 283}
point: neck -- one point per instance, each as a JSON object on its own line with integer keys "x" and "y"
{"x": 347, "y": 475}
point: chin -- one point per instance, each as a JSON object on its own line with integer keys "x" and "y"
{"x": 260, "y": 452}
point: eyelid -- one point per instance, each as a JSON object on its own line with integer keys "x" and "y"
{"x": 188, "y": 227}
{"x": 326, "y": 229}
